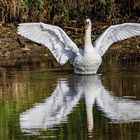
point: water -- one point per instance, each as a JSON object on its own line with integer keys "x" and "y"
{"x": 37, "y": 103}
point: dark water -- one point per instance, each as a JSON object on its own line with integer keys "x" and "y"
{"x": 37, "y": 103}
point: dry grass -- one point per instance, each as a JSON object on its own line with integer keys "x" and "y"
{"x": 61, "y": 10}
{"x": 10, "y": 10}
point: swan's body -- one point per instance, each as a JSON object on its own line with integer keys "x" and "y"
{"x": 87, "y": 64}
{"x": 86, "y": 61}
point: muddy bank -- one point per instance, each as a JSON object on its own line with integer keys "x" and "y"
{"x": 16, "y": 51}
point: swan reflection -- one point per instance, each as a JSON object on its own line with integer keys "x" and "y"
{"x": 60, "y": 104}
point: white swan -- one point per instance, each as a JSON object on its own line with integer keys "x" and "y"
{"x": 87, "y": 60}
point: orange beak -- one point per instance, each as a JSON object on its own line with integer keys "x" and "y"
{"x": 87, "y": 25}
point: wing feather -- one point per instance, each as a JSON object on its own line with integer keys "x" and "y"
{"x": 53, "y": 37}
{"x": 116, "y": 33}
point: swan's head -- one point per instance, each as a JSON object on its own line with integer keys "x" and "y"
{"x": 87, "y": 24}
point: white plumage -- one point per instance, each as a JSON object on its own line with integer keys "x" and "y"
{"x": 87, "y": 60}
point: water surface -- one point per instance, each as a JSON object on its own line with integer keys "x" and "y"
{"x": 37, "y": 103}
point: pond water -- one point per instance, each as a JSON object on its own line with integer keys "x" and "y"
{"x": 36, "y": 103}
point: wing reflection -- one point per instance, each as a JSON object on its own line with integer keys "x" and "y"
{"x": 117, "y": 109}
{"x": 53, "y": 111}
{"x": 66, "y": 96}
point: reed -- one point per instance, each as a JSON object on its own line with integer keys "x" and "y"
{"x": 10, "y": 10}
{"x": 65, "y": 10}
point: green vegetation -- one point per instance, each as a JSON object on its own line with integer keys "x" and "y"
{"x": 64, "y": 10}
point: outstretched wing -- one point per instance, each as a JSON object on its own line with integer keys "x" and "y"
{"x": 116, "y": 33}
{"x": 53, "y": 37}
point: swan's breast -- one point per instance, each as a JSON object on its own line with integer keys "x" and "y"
{"x": 87, "y": 64}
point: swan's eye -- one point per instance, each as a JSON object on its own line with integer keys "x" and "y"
{"x": 86, "y": 23}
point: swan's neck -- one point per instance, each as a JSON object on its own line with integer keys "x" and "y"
{"x": 88, "y": 43}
